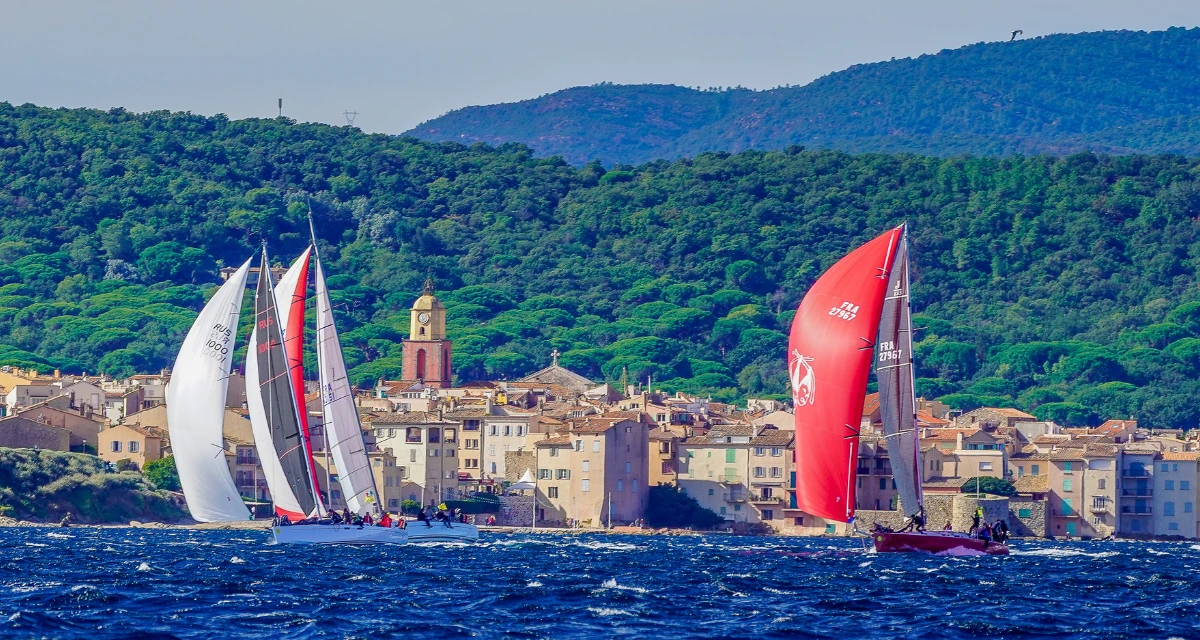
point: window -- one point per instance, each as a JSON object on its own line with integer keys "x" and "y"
{"x": 412, "y": 455}
{"x": 492, "y": 430}
{"x": 634, "y": 482}
{"x": 449, "y": 453}
{"x": 450, "y": 434}
{"x": 777, "y": 472}
{"x": 378, "y": 462}
{"x": 1172, "y": 526}
{"x": 731, "y": 455}
{"x": 1184, "y": 485}
{"x": 433, "y": 453}
{"x": 1169, "y": 485}
{"x": 883, "y": 483}
{"x": 830, "y": 529}
{"x": 628, "y": 467}
{"x": 435, "y": 435}
{"x": 393, "y": 503}
{"x": 552, "y": 492}
{"x": 1175, "y": 467}
{"x": 579, "y": 445}
{"x": 391, "y": 433}
{"x": 768, "y": 514}
{"x": 564, "y": 474}
{"x": 1067, "y": 467}
{"x": 1066, "y": 484}
{"x": 520, "y": 429}
{"x": 985, "y": 466}
{"x": 508, "y": 429}
{"x": 1187, "y": 507}
{"x": 585, "y": 486}
{"x": 471, "y": 444}
{"x": 1034, "y": 469}
{"x": 776, "y": 451}
{"x": 403, "y": 472}
{"x": 1067, "y": 508}
{"x": 722, "y": 510}
{"x": 491, "y": 449}
{"x": 760, "y": 472}
{"x": 492, "y": 468}
{"x": 115, "y": 446}
{"x": 554, "y": 451}
{"x": 1103, "y": 483}
{"x": 667, "y": 467}
{"x": 586, "y": 465}
{"x": 620, "y": 486}
{"x": 737, "y": 507}
{"x": 1168, "y": 508}
{"x": 412, "y": 434}
{"x": 1024, "y": 513}
{"x": 595, "y": 446}
{"x": 1097, "y": 520}
{"x": 543, "y": 474}
{"x": 760, "y": 451}
{"x": 1163, "y": 467}
{"x": 710, "y": 492}
{"x": 133, "y": 446}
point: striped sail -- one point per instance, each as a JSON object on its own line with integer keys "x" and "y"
{"x": 196, "y": 406}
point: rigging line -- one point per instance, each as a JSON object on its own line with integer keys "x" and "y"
{"x": 892, "y": 366}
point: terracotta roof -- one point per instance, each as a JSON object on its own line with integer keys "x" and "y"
{"x": 940, "y": 482}
{"x": 1116, "y": 425}
{"x": 470, "y": 412}
{"x": 774, "y": 438}
{"x": 1051, "y": 439}
{"x": 412, "y": 417}
{"x": 1032, "y": 484}
{"x": 949, "y": 435}
{"x": 928, "y": 419}
{"x": 870, "y": 404}
{"x": 1181, "y": 455}
{"x": 1101, "y": 450}
{"x": 1008, "y": 412}
{"x": 554, "y": 441}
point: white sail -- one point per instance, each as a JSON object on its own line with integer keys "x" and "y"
{"x": 196, "y": 406}
{"x": 342, "y": 426}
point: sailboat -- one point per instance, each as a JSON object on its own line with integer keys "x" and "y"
{"x": 274, "y": 369}
{"x": 855, "y": 315}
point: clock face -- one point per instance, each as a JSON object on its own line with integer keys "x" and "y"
{"x": 423, "y": 318}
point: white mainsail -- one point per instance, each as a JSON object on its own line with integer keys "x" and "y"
{"x": 281, "y": 491}
{"x": 342, "y": 427}
{"x": 196, "y": 406}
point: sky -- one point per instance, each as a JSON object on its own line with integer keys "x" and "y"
{"x": 400, "y": 63}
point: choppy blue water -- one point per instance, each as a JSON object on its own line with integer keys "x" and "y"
{"x": 152, "y": 583}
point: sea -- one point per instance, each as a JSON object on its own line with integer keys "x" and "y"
{"x": 176, "y": 583}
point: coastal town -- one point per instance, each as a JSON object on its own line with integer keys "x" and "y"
{"x": 592, "y": 451}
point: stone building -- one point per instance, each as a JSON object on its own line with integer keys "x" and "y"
{"x": 427, "y": 352}
{"x": 594, "y": 474}
{"x": 22, "y": 433}
{"x": 426, "y": 447}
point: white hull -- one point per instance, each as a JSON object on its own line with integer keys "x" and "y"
{"x": 439, "y": 532}
{"x": 338, "y": 534}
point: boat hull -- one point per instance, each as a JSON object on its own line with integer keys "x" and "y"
{"x": 338, "y": 534}
{"x": 936, "y": 542}
{"x": 439, "y": 532}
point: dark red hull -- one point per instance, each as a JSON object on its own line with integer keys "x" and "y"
{"x": 938, "y": 542}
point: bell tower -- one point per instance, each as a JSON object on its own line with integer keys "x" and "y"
{"x": 427, "y": 351}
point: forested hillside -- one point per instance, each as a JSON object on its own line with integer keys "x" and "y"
{"x": 1115, "y": 92}
{"x": 1066, "y": 286}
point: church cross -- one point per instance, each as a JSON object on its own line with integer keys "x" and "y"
{"x": 554, "y": 356}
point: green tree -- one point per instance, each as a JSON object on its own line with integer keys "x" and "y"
{"x": 162, "y": 473}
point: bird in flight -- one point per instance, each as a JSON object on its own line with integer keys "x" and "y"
{"x": 1015, "y": 34}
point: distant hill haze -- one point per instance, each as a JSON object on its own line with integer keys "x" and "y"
{"x": 1114, "y": 92}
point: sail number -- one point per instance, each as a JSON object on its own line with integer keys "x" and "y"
{"x": 889, "y": 352}
{"x": 846, "y": 312}
{"x": 217, "y": 344}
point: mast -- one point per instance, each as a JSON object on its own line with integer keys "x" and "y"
{"x": 324, "y": 427}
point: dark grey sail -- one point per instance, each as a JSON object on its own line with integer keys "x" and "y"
{"x": 893, "y": 369}
{"x": 278, "y": 399}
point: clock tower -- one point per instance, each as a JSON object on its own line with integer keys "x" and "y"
{"x": 427, "y": 351}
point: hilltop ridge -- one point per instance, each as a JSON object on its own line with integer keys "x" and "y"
{"x": 1112, "y": 91}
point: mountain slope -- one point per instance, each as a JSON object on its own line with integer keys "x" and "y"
{"x": 1064, "y": 286}
{"x": 1117, "y": 92}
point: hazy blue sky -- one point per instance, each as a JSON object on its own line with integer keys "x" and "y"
{"x": 400, "y": 63}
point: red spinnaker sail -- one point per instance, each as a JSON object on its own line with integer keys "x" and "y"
{"x": 829, "y": 360}
{"x": 293, "y": 345}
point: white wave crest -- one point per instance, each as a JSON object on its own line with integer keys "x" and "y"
{"x": 1065, "y": 553}
{"x": 533, "y": 583}
{"x": 61, "y": 536}
{"x": 143, "y": 567}
{"x": 611, "y": 583}
{"x": 236, "y": 560}
{"x": 602, "y": 611}
{"x": 615, "y": 546}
